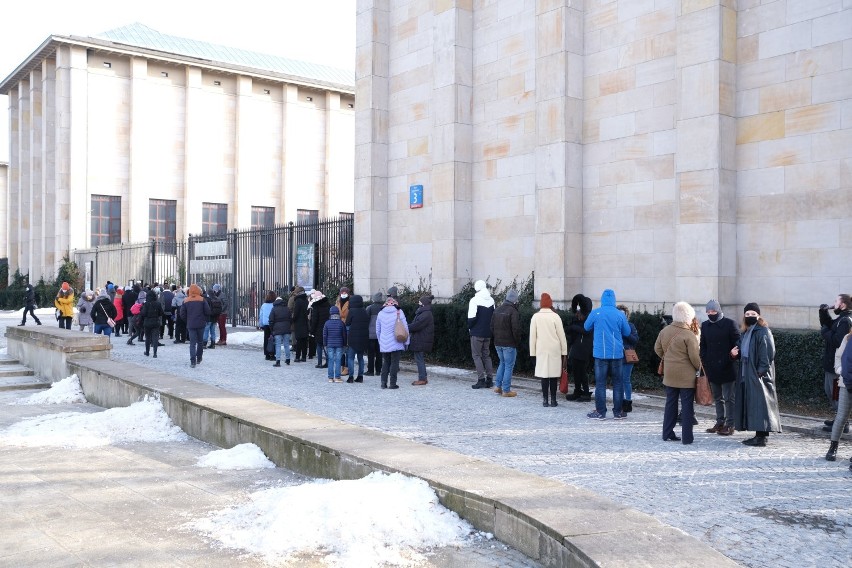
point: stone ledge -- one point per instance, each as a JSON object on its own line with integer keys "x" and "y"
{"x": 553, "y": 523}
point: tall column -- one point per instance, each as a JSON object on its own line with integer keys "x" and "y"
{"x": 289, "y": 139}
{"x": 73, "y": 201}
{"x": 559, "y": 153}
{"x": 13, "y": 211}
{"x": 332, "y": 110}
{"x": 371, "y": 145}
{"x": 451, "y": 191}
{"x": 705, "y": 170}
{"x": 193, "y": 167}
{"x": 25, "y": 176}
{"x": 48, "y": 145}
{"x": 240, "y": 213}
{"x": 36, "y": 240}
{"x": 135, "y": 208}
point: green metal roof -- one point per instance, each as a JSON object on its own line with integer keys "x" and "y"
{"x": 140, "y": 35}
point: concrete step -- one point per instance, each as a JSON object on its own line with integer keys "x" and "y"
{"x": 8, "y": 361}
{"x": 23, "y": 382}
{"x": 15, "y": 371}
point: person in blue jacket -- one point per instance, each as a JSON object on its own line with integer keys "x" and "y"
{"x": 610, "y": 327}
{"x": 334, "y": 340}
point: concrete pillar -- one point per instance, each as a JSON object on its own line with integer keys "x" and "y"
{"x": 332, "y": 110}
{"x": 705, "y": 169}
{"x": 25, "y": 176}
{"x": 371, "y": 145}
{"x": 290, "y": 134}
{"x": 13, "y": 211}
{"x": 48, "y": 181}
{"x": 239, "y": 215}
{"x": 36, "y": 241}
{"x": 193, "y": 168}
{"x": 451, "y": 193}
{"x": 139, "y": 185}
{"x": 559, "y": 153}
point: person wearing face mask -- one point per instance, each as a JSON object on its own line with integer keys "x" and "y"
{"x": 756, "y": 407}
{"x": 833, "y": 331}
{"x": 342, "y": 304}
{"x": 718, "y": 336}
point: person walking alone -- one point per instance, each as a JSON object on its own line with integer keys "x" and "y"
{"x": 195, "y": 311}
{"x": 29, "y": 305}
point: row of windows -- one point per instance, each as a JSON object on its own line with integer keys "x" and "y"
{"x": 162, "y": 219}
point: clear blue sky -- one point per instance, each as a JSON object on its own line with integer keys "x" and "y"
{"x": 320, "y": 31}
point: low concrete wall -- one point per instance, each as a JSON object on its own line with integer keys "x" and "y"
{"x": 46, "y": 350}
{"x": 553, "y": 523}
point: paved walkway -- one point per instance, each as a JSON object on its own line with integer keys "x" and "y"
{"x": 782, "y": 505}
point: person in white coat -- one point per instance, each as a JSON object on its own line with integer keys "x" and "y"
{"x": 549, "y": 347}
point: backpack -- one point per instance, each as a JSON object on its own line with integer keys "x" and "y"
{"x": 215, "y": 306}
{"x": 135, "y": 308}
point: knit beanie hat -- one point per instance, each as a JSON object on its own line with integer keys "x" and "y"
{"x": 713, "y": 306}
{"x": 334, "y": 311}
{"x": 512, "y": 296}
{"x": 546, "y": 300}
{"x": 752, "y": 306}
{"x": 66, "y": 286}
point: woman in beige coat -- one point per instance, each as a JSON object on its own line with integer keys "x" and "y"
{"x": 677, "y": 346}
{"x": 549, "y": 347}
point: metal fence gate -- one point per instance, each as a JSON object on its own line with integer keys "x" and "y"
{"x": 246, "y": 263}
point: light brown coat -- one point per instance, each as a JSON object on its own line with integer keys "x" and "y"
{"x": 547, "y": 343}
{"x": 681, "y": 355}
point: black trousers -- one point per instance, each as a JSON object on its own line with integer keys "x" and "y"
{"x": 374, "y": 357}
{"x": 301, "y": 348}
{"x": 548, "y": 385}
{"x": 151, "y": 338}
{"x": 180, "y": 329}
{"x": 579, "y": 368}
{"x": 31, "y": 310}
{"x": 167, "y": 322}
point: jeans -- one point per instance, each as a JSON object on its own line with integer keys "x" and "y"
{"x": 210, "y": 332}
{"x": 103, "y": 329}
{"x": 390, "y": 366}
{"x": 842, "y": 417}
{"x": 65, "y": 322}
{"x": 626, "y": 372}
{"x": 723, "y": 394}
{"x": 687, "y": 400}
{"x": 828, "y": 385}
{"x": 603, "y": 369}
{"x": 285, "y": 340}
{"x": 196, "y": 344}
{"x": 507, "y": 356}
{"x": 420, "y": 361}
{"x": 334, "y": 355}
{"x": 480, "y": 349}
{"x": 356, "y": 356}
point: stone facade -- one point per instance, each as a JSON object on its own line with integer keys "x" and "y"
{"x": 89, "y": 117}
{"x": 668, "y": 149}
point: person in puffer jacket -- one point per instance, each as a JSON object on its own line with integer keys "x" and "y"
{"x": 180, "y": 323}
{"x": 84, "y": 310}
{"x": 152, "y": 316}
{"x": 610, "y": 327}
{"x": 334, "y": 340}
{"x": 118, "y": 304}
{"x": 391, "y": 348}
{"x": 480, "y": 309}
{"x": 280, "y": 321}
{"x": 422, "y": 337}
{"x": 506, "y": 327}
{"x": 374, "y": 355}
{"x": 195, "y": 311}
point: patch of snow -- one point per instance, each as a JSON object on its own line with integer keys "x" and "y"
{"x": 66, "y": 391}
{"x": 241, "y": 456}
{"x": 246, "y": 339}
{"x": 143, "y": 421}
{"x": 382, "y": 519}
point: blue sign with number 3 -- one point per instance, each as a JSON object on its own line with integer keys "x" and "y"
{"x": 415, "y": 197}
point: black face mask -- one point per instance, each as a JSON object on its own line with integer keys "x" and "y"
{"x": 837, "y": 311}
{"x": 751, "y": 320}
{"x": 712, "y": 317}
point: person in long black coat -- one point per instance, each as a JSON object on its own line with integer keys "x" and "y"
{"x": 280, "y": 326}
{"x": 319, "y": 315}
{"x": 422, "y": 331}
{"x": 358, "y": 323}
{"x": 719, "y": 335}
{"x": 301, "y": 328}
{"x": 127, "y": 300}
{"x": 152, "y": 316}
{"x": 582, "y": 344}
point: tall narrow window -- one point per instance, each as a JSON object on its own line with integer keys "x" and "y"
{"x": 162, "y": 223}
{"x": 106, "y": 219}
{"x": 345, "y": 225}
{"x": 214, "y": 218}
{"x": 307, "y": 226}
{"x": 264, "y": 243}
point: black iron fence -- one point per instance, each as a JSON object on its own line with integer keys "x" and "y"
{"x": 246, "y": 263}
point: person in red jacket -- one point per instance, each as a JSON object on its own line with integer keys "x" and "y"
{"x": 119, "y": 310}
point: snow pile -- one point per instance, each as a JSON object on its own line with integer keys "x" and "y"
{"x": 144, "y": 421}
{"x": 247, "y": 339}
{"x": 66, "y": 391}
{"x": 242, "y": 456}
{"x": 378, "y": 520}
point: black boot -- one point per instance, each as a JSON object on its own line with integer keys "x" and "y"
{"x": 627, "y": 406}
{"x": 480, "y": 384}
{"x": 277, "y": 364}
{"x": 545, "y": 402}
{"x": 574, "y": 395}
{"x": 489, "y": 382}
{"x": 832, "y": 452}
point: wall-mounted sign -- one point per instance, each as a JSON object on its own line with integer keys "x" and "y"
{"x": 213, "y": 248}
{"x": 213, "y": 266}
{"x": 305, "y": 266}
{"x": 415, "y": 197}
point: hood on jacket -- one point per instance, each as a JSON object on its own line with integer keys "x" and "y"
{"x": 683, "y": 312}
{"x": 104, "y": 294}
{"x": 279, "y": 301}
{"x": 334, "y": 311}
{"x": 480, "y": 285}
{"x": 194, "y": 291}
{"x": 29, "y": 287}
{"x": 377, "y": 297}
{"x": 582, "y": 302}
{"x": 119, "y": 291}
{"x": 426, "y": 300}
{"x": 217, "y": 288}
{"x": 356, "y": 301}
{"x": 89, "y": 296}
{"x": 389, "y": 308}
{"x": 608, "y": 298}
{"x": 151, "y": 296}
{"x": 512, "y": 296}
{"x": 298, "y": 290}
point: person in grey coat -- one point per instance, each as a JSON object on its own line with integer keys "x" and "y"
{"x": 756, "y": 407}
{"x": 374, "y": 356}
{"x": 84, "y": 310}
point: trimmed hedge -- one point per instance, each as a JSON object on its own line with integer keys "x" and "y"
{"x": 798, "y": 362}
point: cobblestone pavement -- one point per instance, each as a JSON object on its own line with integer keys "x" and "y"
{"x": 782, "y": 505}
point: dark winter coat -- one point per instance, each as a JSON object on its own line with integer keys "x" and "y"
{"x": 319, "y": 315}
{"x": 195, "y": 310}
{"x": 833, "y": 332}
{"x": 301, "y": 326}
{"x": 129, "y": 299}
{"x": 333, "y": 331}
{"x": 152, "y": 311}
{"x": 717, "y": 340}
{"x": 30, "y": 297}
{"x": 373, "y": 311}
{"x": 582, "y": 341}
{"x": 358, "y": 322}
{"x": 166, "y": 298}
{"x": 506, "y": 326}
{"x": 103, "y": 309}
{"x": 756, "y": 404}
{"x": 217, "y": 305}
{"x": 279, "y": 318}
{"x": 422, "y": 329}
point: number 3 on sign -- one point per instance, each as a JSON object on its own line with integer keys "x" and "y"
{"x": 415, "y": 197}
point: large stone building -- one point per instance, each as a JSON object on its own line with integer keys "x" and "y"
{"x": 135, "y": 135}
{"x": 668, "y": 149}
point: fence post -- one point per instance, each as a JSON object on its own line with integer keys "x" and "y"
{"x": 292, "y": 254}
{"x": 153, "y": 261}
{"x": 234, "y": 281}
